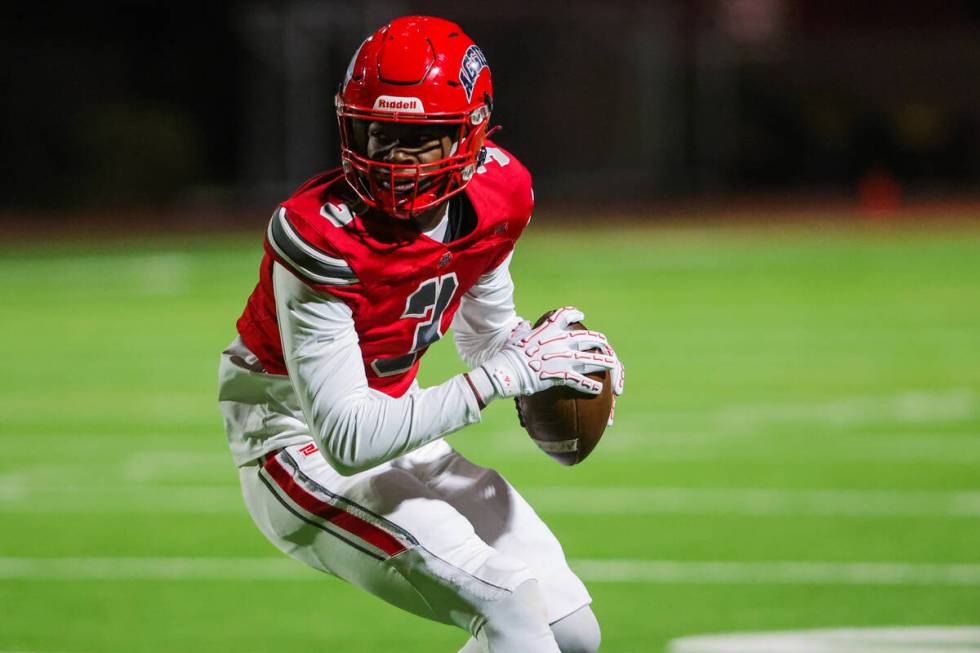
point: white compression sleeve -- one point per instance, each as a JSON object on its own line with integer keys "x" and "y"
{"x": 486, "y": 316}
{"x": 356, "y": 427}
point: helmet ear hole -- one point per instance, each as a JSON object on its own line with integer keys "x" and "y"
{"x": 481, "y": 156}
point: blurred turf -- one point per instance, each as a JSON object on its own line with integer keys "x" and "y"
{"x": 780, "y": 358}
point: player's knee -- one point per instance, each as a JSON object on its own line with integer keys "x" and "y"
{"x": 524, "y": 605}
{"x": 578, "y": 632}
{"x": 519, "y": 616}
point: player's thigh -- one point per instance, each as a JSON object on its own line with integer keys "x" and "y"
{"x": 502, "y": 518}
{"x": 382, "y": 530}
{"x": 307, "y": 537}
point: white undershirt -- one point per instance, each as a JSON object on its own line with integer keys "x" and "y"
{"x": 356, "y": 427}
{"x": 438, "y": 232}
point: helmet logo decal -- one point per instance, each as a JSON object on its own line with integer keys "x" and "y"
{"x": 399, "y": 104}
{"x": 469, "y": 71}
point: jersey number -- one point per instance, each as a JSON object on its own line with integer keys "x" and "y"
{"x": 497, "y": 155}
{"x": 432, "y": 298}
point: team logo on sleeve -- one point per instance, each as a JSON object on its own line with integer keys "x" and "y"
{"x": 469, "y": 70}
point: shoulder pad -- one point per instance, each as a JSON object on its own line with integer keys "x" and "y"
{"x": 501, "y": 193}
{"x": 306, "y": 260}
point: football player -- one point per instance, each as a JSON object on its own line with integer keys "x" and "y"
{"x": 342, "y": 456}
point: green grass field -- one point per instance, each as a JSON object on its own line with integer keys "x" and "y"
{"x": 802, "y": 408}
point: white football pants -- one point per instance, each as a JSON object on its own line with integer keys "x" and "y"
{"x": 429, "y": 532}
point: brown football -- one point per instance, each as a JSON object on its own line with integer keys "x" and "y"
{"x": 564, "y": 423}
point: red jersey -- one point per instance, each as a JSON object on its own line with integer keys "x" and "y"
{"x": 402, "y": 287}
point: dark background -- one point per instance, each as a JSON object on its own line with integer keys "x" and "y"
{"x": 229, "y": 104}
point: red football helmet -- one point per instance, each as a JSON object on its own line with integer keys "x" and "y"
{"x": 415, "y": 70}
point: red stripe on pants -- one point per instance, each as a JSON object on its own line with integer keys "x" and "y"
{"x": 353, "y": 524}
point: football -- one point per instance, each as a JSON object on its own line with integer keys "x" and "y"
{"x": 564, "y": 423}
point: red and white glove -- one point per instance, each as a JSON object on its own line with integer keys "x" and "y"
{"x": 618, "y": 378}
{"x": 550, "y": 355}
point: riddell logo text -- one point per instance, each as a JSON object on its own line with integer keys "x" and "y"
{"x": 403, "y": 104}
{"x": 396, "y": 104}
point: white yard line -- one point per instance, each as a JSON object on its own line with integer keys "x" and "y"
{"x": 855, "y": 457}
{"x": 806, "y": 446}
{"x": 777, "y": 573}
{"x": 152, "y": 273}
{"x": 753, "y": 501}
{"x": 904, "y": 639}
{"x": 120, "y": 499}
{"x": 799, "y": 445}
{"x": 154, "y": 569}
{"x": 911, "y": 406}
{"x": 22, "y": 497}
{"x": 594, "y": 571}
{"x": 145, "y": 466}
{"x": 162, "y": 273}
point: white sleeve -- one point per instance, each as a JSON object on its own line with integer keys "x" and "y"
{"x": 356, "y": 427}
{"x": 486, "y": 316}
